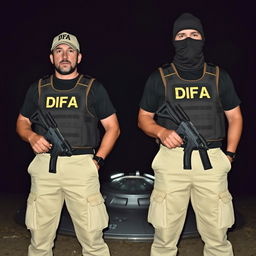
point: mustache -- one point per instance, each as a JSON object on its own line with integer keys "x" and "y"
{"x": 65, "y": 61}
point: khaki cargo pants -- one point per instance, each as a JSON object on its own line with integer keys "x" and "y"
{"x": 210, "y": 198}
{"x": 76, "y": 182}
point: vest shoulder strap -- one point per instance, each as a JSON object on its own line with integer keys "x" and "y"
{"x": 166, "y": 70}
{"x": 211, "y": 68}
{"x": 85, "y": 80}
{"x": 45, "y": 80}
{"x": 214, "y": 70}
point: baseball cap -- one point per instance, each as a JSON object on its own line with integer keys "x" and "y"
{"x": 65, "y": 38}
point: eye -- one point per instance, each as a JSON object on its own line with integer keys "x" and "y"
{"x": 196, "y": 35}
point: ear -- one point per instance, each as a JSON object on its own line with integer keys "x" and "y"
{"x": 51, "y": 58}
{"x": 79, "y": 58}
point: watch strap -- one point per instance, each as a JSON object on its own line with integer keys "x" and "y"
{"x": 231, "y": 154}
{"x": 99, "y": 160}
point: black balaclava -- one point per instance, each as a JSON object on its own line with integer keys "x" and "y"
{"x": 188, "y": 52}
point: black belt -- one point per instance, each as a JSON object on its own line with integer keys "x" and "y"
{"x": 82, "y": 151}
{"x": 212, "y": 144}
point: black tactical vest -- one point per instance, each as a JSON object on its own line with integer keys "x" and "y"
{"x": 199, "y": 99}
{"x": 69, "y": 109}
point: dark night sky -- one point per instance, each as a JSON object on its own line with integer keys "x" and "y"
{"x": 122, "y": 43}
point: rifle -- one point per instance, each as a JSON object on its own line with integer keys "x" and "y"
{"x": 53, "y": 135}
{"x": 190, "y": 135}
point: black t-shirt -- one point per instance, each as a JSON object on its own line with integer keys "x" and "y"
{"x": 153, "y": 95}
{"x": 98, "y": 98}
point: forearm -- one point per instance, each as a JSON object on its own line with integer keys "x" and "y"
{"x": 38, "y": 143}
{"x": 108, "y": 141}
{"x": 235, "y": 125}
{"x": 148, "y": 125}
{"x": 24, "y": 130}
{"x": 234, "y": 134}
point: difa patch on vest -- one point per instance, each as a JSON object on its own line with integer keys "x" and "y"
{"x": 61, "y": 102}
{"x": 192, "y": 92}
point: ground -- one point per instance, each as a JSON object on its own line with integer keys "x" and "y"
{"x": 14, "y": 238}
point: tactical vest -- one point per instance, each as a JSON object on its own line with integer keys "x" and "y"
{"x": 69, "y": 109}
{"x": 199, "y": 99}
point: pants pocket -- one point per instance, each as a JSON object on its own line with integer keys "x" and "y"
{"x": 31, "y": 214}
{"x": 97, "y": 213}
{"x": 225, "y": 212}
{"x": 157, "y": 210}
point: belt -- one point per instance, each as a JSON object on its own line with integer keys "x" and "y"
{"x": 212, "y": 144}
{"x": 82, "y": 151}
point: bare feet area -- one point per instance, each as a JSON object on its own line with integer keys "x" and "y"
{"x": 14, "y": 238}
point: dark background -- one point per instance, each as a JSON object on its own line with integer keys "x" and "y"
{"x": 122, "y": 43}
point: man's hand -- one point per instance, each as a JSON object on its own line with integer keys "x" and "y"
{"x": 170, "y": 138}
{"x": 39, "y": 144}
{"x": 98, "y": 167}
{"x": 230, "y": 159}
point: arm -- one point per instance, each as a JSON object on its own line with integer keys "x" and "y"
{"x": 38, "y": 143}
{"x": 112, "y": 132}
{"x": 147, "y": 124}
{"x": 235, "y": 124}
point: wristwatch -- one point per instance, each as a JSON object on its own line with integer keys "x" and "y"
{"x": 231, "y": 154}
{"x": 99, "y": 160}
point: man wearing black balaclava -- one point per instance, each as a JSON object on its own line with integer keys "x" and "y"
{"x": 207, "y": 95}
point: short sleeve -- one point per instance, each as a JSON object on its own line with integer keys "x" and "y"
{"x": 30, "y": 103}
{"x": 153, "y": 94}
{"x": 228, "y": 95}
{"x": 99, "y": 101}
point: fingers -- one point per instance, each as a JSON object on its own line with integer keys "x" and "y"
{"x": 39, "y": 144}
{"x": 171, "y": 139}
{"x": 97, "y": 166}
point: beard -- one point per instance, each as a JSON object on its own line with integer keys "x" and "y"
{"x": 65, "y": 71}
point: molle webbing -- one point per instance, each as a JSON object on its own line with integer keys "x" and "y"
{"x": 199, "y": 98}
{"x": 70, "y": 109}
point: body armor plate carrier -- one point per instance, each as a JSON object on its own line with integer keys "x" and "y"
{"x": 78, "y": 125}
{"x": 199, "y": 99}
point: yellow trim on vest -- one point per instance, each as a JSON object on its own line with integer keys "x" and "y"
{"x": 65, "y": 90}
{"x": 87, "y": 92}
{"x": 217, "y": 78}
{"x": 210, "y": 73}
{"x": 39, "y": 86}
{"x": 176, "y": 72}
{"x": 39, "y": 90}
{"x": 171, "y": 74}
{"x": 164, "y": 80}
{"x": 82, "y": 84}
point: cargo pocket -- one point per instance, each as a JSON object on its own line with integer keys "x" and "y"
{"x": 157, "y": 209}
{"x": 97, "y": 213}
{"x": 31, "y": 214}
{"x": 226, "y": 212}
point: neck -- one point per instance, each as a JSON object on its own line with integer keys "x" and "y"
{"x": 66, "y": 77}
